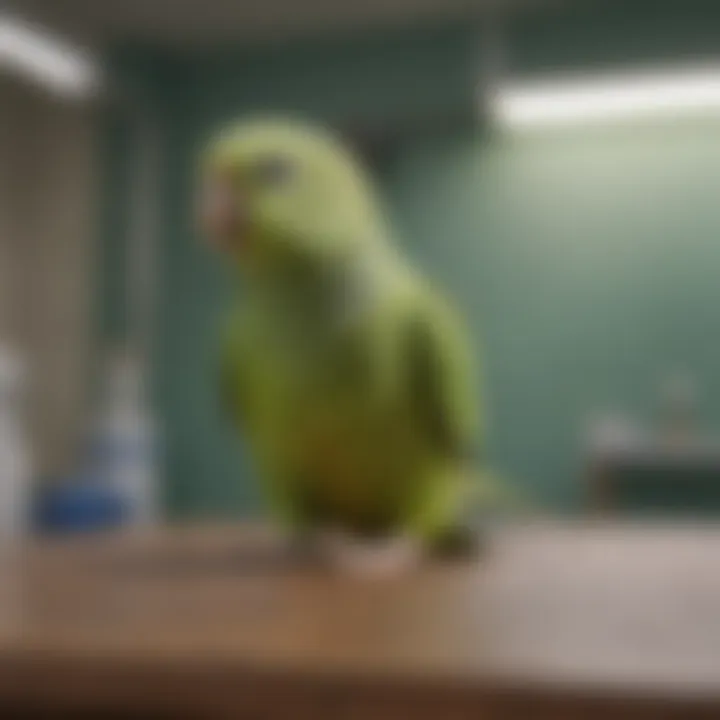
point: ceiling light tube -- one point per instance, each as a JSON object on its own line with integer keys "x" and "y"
{"x": 619, "y": 97}
{"x": 46, "y": 59}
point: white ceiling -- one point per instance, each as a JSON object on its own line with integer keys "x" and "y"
{"x": 199, "y": 21}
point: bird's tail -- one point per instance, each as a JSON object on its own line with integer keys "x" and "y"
{"x": 491, "y": 492}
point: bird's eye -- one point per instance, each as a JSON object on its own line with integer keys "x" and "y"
{"x": 273, "y": 172}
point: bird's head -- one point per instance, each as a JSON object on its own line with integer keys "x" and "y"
{"x": 276, "y": 192}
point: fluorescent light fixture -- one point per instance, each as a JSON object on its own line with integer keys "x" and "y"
{"x": 46, "y": 59}
{"x": 619, "y": 97}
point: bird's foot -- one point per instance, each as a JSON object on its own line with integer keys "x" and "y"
{"x": 459, "y": 543}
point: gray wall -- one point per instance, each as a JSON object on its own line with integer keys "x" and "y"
{"x": 47, "y": 221}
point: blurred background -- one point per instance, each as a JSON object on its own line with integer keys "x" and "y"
{"x": 553, "y": 165}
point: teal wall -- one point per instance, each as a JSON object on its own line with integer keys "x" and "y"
{"x": 583, "y": 260}
{"x": 586, "y": 264}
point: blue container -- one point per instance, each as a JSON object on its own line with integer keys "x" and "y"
{"x": 78, "y": 507}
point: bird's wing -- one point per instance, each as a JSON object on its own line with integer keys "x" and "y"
{"x": 441, "y": 385}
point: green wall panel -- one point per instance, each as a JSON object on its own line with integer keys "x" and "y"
{"x": 584, "y": 260}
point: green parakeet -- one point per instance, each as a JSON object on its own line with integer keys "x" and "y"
{"x": 348, "y": 374}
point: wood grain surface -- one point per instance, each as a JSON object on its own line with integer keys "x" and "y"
{"x": 556, "y": 620}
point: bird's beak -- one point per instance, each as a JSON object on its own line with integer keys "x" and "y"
{"x": 223, "y": 215}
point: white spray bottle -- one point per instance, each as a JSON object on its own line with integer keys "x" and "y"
{"x": 15, "y": 473}
{"x": 127, "y": 434}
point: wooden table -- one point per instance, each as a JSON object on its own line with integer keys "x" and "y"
{"x": 574, "y": 620}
